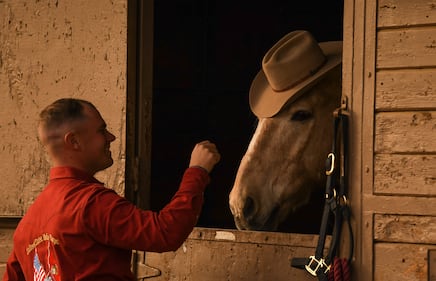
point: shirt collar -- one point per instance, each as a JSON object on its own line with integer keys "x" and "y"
{"x": 70, "y": 172}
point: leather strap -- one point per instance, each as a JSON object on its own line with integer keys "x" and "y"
{"x": 335, "y": 205}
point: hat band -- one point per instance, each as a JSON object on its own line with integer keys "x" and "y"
{"x": 311, "y": 73}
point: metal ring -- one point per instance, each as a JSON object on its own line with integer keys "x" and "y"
{"x": 345, "y": 200}
{"x": 327, "y": 196}
{"x": 332, "y": 164}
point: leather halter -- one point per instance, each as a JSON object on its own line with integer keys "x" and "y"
{"x": 336, "y": 204}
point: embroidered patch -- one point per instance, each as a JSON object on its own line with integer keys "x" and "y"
{"x": 45, "y": 262}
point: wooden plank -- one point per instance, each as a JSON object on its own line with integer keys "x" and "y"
{"x": 406, "y": 48}
{"x": 401, "y": 205}
{"x": 6, "y": 235}
{"x": 221, "y": 254}
{"x": 264, "y": 237}
{"x": 405, "y": 89}
{"x": 5, "y": 251}
{"x": 392, "y": 13}
{"x": 432, "y": 265}
{"x": 366, "y": 60}
{"x": 352, "y": 87}
{"x": 404, "y": 228}
{"x": 2, "y": 269}
{"x": 401, "y": 262}
{"x": 9, "y": 222}
{"x": 405, "y": 132}
{"x": 405, "y": 174}
{"x": 7, "y": 229}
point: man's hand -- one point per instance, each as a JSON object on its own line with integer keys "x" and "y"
{"x": 205, "y": 155}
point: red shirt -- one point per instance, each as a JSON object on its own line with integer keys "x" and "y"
{"x": 77, "y": 229}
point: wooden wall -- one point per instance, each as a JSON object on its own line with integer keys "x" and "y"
{"x": 49, "y": 50}
{"x": 398, "y": 132}
{"x": 227, "y": 254}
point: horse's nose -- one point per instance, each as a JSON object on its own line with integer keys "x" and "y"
{"x": 249, "y": 207}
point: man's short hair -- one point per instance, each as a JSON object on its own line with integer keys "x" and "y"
{"x": 62, "y": 111}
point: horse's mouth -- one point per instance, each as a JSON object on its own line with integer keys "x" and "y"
{"x": 253, "y": 222}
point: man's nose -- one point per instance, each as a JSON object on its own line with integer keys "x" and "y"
{"x": 110, "y": 136}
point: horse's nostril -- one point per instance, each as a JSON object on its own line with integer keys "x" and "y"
{"x": 249, "y": 207}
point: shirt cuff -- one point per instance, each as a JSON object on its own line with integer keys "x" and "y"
{"x": 201, "y": 168}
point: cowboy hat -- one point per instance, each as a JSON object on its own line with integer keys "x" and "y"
{"x": 293, "y": 65}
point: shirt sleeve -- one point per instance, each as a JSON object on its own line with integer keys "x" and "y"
{"x": 13, "y": 269}
{"x": 113, "y": 220}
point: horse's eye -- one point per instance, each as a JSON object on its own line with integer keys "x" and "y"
{"x": 301, "y": 115}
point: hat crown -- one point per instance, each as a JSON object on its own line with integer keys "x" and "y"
{"x": 294, "y": 58}
{"x": 295, "y": 64}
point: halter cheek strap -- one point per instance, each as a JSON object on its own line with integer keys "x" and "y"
{"x": 331, "y": 267}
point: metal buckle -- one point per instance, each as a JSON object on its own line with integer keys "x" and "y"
{"x": 315, "y": 265}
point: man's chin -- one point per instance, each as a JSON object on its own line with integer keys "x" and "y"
{"x": 110, "y": 163}
{"x": 107, "y": 164}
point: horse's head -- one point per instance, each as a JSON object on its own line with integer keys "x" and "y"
{"x": 284, "y": 162}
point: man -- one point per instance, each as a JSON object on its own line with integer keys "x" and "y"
{"x": 79, "y": 230}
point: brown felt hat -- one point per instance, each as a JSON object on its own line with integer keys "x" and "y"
{"x": 293, "y": 65}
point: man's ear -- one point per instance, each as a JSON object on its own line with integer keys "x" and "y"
{"x": 71, "y": 140}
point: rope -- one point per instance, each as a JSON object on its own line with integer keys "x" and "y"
{"x": 340, "y": 270}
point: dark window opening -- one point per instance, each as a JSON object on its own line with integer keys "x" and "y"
{"x": 206, "y": 54}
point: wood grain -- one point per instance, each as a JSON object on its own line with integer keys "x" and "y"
{"x": 404, "y": 228}
{"x": 405, "y": 132}
{"x": 405, "y": 13}
{"x": 405, "y": 174}
{"x": 406, "y": 48}
{"x": 405, "y": 89}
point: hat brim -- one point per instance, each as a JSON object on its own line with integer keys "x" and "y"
{"x": 265, "y": 102}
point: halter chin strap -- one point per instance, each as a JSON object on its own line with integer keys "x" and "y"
{"x": 336, "y": 205}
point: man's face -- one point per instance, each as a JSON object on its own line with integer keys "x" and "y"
{"x": 95, "y": 142}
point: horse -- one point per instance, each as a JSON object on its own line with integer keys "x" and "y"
{"x": 280, "y": 182}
